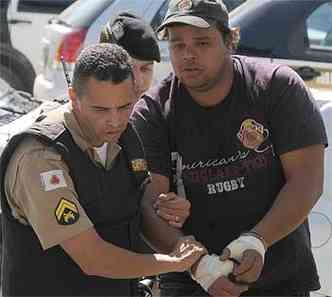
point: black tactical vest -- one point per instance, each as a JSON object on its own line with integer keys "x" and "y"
{"x": 110, "y": 198}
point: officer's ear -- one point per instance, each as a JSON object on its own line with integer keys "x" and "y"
{"x": 75, "y": 101}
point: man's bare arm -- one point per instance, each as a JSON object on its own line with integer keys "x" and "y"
{"x": 100, "y": 258}
{"x": 164, "y": 237}
{"x": 304, "y": 173}
{"x": 160, "y": 235}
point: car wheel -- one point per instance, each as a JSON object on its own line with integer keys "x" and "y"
{"x": 16, "y": 69}
{"x": 11, "y": 78}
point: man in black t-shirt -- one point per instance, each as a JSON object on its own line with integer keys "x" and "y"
{"x": 244, "y": 141}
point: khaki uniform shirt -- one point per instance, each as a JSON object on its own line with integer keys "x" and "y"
{"x": 37, "y": 180}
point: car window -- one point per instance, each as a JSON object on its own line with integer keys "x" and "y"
{"x": 43, "y": 6}
{"x": 232, "y": 4}
{"x": 310, "y": 38}
{"x": 319, "y": 28}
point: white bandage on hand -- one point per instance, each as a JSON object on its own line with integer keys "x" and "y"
{"x": 243, "y": 243}
{"x": 210, "y": 268}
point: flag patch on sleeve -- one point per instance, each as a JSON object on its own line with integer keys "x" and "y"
{"x": 52, "y": 180}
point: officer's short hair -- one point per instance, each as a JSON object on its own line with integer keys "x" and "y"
{"x": 103, "y": 62}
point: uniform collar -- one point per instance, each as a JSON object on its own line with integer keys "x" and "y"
{"x": 75, "y": 130}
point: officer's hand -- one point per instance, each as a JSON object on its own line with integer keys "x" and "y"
{"x": 172, "y": 208}
{"x": 224, "y": 287}
{"x": 187, "y": 252}
{"x": 249, "y": 252}
{"x": 185, "y": 241}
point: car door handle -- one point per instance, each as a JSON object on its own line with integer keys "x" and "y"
{"x": 18, "y": 21}
{"x": 307, "y": 73}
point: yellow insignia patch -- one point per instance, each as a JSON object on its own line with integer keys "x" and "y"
{"x": 139, "y": 165}
{"x": 252, "y": 134}
{"x": 66, "y": 212}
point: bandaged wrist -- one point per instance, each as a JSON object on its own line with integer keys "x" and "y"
{"x": 210, "y": 268}
{"x": 243, "y": 243}
{"x": 257, "y": 235}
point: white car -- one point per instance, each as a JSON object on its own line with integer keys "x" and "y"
{"x": 18, "y": 110}
{"x": 26, "y": 20}
{"x": 79, "y": 26}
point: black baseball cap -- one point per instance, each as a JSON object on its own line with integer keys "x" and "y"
{"x": 198, "y": 13}
{"x": 134, "y": 35}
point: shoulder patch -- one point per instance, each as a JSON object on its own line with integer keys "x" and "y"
{"x": 66, "y": 212}
{"x": 52, "y": 180}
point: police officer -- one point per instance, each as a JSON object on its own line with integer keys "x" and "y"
{"x": 139, "y": 40}
{"x": 71, "y": 187}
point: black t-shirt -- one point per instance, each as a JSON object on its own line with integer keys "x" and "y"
{"x": 230, "y": 152}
